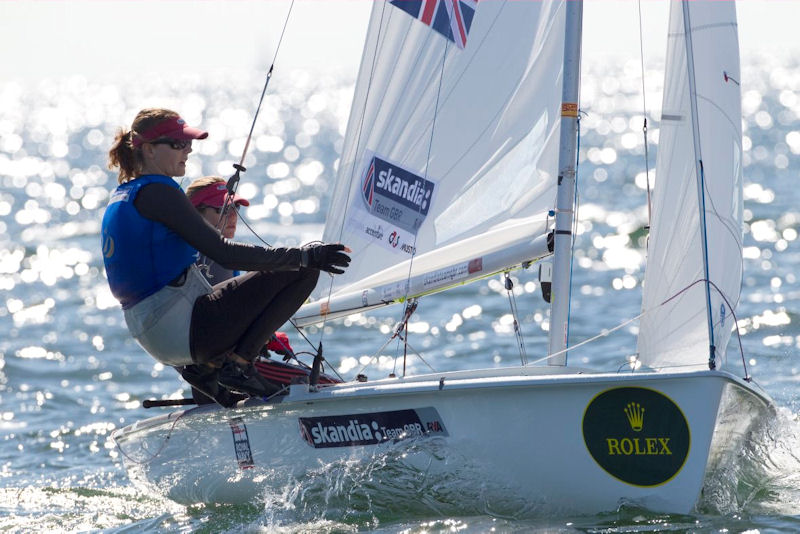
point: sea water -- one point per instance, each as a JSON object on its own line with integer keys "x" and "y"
{"x": 70, "y": 373}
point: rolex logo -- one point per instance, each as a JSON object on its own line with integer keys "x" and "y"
{"x": 635, "y": 414}
{"x": 624, "y": 447}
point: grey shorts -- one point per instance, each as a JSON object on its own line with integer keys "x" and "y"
{"x": 160, "y": 323}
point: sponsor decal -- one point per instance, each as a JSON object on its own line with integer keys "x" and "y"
{"x": 569, "y": 109}
{"x": 396, "y": 196}
{"x": 374, "y": 232}
{"x": 394, "y": 291}
{"x": 452, "y": 273}
{"x": 108, "y": 245}
{"x": 371, "y": 428}
{"x": 394, "y": 239}
{"x": 119, "y": 196}
{"x": 241, "y": 443}
{"x": 637, "y": 435}
{"x": 475, "y": 266}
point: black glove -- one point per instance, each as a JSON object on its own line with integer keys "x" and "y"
{"x": 325, "y": 257}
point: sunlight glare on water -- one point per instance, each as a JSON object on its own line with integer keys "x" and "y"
{"x": 70, "y": 372}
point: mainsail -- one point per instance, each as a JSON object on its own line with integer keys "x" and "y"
{"x": 677, "y": 333}
{"x": 449, "y": 163}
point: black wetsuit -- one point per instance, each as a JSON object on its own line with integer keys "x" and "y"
{"x": 241, "y": 313}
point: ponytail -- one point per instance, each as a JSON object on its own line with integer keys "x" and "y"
{"x": 124, "y": 156}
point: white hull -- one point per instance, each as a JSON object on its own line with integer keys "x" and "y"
{"x": 519, "y": 440}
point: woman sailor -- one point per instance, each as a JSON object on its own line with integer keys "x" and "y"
{"x": 151, "y": 236}
{"x": 209, "y": 195}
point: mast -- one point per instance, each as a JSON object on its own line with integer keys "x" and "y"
{"x": 567, "y": 157}
{"x": 698, "y": 162}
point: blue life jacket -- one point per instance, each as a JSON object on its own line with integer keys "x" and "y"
{"x": 141, "y": 256}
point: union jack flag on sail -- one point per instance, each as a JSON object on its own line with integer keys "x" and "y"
{"x": 451, "y": 18}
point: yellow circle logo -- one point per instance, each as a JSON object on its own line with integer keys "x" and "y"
{"x": 637, "y": 435}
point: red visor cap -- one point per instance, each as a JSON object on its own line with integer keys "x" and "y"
{"x": 214, "y": 195}
{"x": 173, "y": 128}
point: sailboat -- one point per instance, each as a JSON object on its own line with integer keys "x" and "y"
{"x": 459, "y": 163}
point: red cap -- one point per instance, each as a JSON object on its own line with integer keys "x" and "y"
{"x": 173, "y": 127}
{"x": 214, "y": 195}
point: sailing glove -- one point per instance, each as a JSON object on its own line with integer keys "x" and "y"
{"x": 325, "y": 257}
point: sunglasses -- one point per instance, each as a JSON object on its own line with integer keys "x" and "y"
{"x": 175, "y": 144}
{"x": 216, "y": 209}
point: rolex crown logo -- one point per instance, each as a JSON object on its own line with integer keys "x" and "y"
{"x": 635, "y": 415}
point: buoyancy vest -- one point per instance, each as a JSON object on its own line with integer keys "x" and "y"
{"x": 141, "y": 256}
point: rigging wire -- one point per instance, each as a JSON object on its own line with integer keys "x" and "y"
{"x": 402, "y": 326}
{"x": 512, "y": 300}
{"x": 419, "y": 210}
{"x": 367, "y": 95}
{"x": 353, "y": 169}
{"x": 398, "y": 333}
{"x": 233, "y": 181}
{"x": 575, "y": 207}
{"x": 606, "y": 333}
{"x": 644, "y": 124}
{"x": 410, "y": 303}
{"x": 232, "y": 184}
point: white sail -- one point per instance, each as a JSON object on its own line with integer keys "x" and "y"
{"x": 445, "y": 145}
{"x": 677, "y": 333}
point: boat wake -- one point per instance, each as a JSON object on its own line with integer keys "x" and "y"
{"x": 764, "y": 478}
{"x": 424, "y": 478}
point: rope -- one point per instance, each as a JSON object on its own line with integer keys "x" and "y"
{"x": 233, "y": 181}
{"x": 575, "y": 206}
{"x": 355, "y": 169}
{"x": 605, "y": 333}
{"x": 509, "y": 285}
{"x": 401, "y": 326}
{"x": 644, "y": 114}
{"x": 374, "y": 357}
{"x": 351, "y": 181}
{"x": 414, "y": 246}
{"x": 266, "y": 84}
{"x": 172, "y": 429}
{"x": 160, "y": 449}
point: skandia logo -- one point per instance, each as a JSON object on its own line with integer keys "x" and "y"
{"x": 358, "y": 432}
{"x": 370, "y": 428}
{"x": 396, "y": 195}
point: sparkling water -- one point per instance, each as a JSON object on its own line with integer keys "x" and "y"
{"x": 70, "y": 373}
